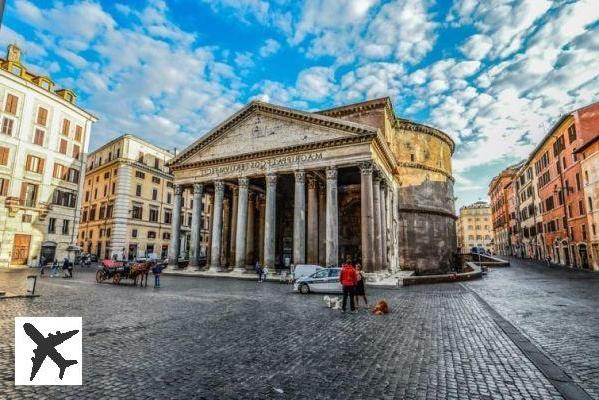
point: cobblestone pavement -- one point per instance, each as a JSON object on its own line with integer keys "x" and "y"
{"x": 225, "y": 339}
{"x": 557, "y": 308}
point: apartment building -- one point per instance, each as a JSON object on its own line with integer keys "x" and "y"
{"x": 501, "y": 193}
{"x": 128, "y": 202}
{"x": 44, "y": 138}
{"x": 529, "y": 245}
{"x": 588, "y": 154}
{"x": 475, "y": 227}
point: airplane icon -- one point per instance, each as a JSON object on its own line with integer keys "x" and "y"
{"x": 46, "y": 347}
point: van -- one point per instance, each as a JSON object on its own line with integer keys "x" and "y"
{"x": 301, "y": 270}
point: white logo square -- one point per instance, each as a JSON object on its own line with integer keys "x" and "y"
{"x": 48, "y": 351}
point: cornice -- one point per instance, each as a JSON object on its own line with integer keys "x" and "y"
{"x": 375, "y": 104}
{"x": 432, "y": 211}
{"x": 132, "y": 163}
{"x": 416, "y": 127}
{"x": 279, "y": 151}
{"x": 408, "y": 164}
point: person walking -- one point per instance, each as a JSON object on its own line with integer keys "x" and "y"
{"x": 157, "y": 270}
{"x": 360, "y": 291}
{"x": 54, "y": 269}
{"x": 70, "y": 267}
{"x": 264, "y": 274}
{"x": 258, "y": 270}
{"x": 348, "y": 279}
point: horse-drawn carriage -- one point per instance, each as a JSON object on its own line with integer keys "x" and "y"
{"x": 119, "y": 270}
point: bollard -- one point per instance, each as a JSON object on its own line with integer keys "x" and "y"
{"x": 31, "y": 280}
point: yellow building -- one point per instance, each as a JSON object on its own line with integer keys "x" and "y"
{"x": 474, "y": 227}
{"x": 44, "y": 138}
{"x": 128, "y": 200}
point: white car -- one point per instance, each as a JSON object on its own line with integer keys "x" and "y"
{"x": 325, "y": 280}
{"x": 301, "y": 270}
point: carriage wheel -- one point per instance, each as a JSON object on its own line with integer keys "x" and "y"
{"x": 116, "y": 278}
{"x": 100, "y": 276}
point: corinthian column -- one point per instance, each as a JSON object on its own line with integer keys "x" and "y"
{"x": 261, "y": 206}
{"x": 233, "y": 236}
{"x": 299, "y": 219}
{"x": 312, "y": 240}
{"x": 242, "y": 209}
{"x": 376, "y": 197}
{"x": 270, "y": 220}
{"x": 217, "y": 225}
{"x": 384, "y": 262}
{"x": 175, "y": 245}
{"x": 249, "y": 235}
{"x": 196, "y": 227}
{"x": 332, "y": 251}
{"x": 322, "y": 216}
{"x": 366, "y": 216}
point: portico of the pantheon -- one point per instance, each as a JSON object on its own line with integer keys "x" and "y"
{"x": 294, "y": 187}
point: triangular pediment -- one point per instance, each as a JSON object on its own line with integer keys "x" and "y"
{"x": 261, "y": 127}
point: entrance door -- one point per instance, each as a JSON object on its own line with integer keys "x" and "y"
{"x": 584, "y": 260}
{"x": 20, "y": 249}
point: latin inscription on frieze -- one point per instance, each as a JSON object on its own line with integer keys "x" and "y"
{"x": 261, "y": 165}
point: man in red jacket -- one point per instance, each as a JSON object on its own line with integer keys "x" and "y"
{"x": 348, "y": 279}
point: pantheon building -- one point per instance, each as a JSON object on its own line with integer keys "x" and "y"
{"x": 292, "y": 187}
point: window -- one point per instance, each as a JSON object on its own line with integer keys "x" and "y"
{"x": 140, "y": 175}
{"x": 167, "y": 216}
{"x": 59, "y": 171}
{"x": 42, "y": 116}
{"x": 138, "y": 190}
{"x": 76, "y": 151}
{"x": 140, "y": 158}
{"x": 153, "y": 214}
{"x": 7, "y": 125}
{"x": 26, "y": 218}
{"x": 108, "y": 231}
{"x": 155, "y": 179}
{"x": 73, "y": 175}
{"x": 63, "y": 146}
{"x": 583, "y": 230}
{"x": 107, "y": 175}
{"x": 590, "y": 204}
{"x": 11, "y": 104}
{"x": 156, "y": 163}
{"x": 84, "y": 216}
{"x": 580, "y": 207}
{"x": 169, "y": 198}
{"x": 78, "y": 133}
{"x": 113, "y": 187}
{"x": 151, "y": 235}
{"x": 4, "y": 152}
{"x": 68, "y": 199}
{"x": 66, "y": 126}
{"x": 154, "y": 194}
{"x": 577, "y": 181}
{"x": 38, "y": 137}
{"x": 34, "y": 164}
{"x": 28, "y": 194}
{"x": 166, "y": 236}
{"x": 92, "y": 213}
{"x": 594, "y": 229}
{"x": 549, "y": 203}
{"x": 109, "y": 208}
{"x": 558, "y": 145}
{"x": 571, "y": 133}
{"x": 87, "y": 195}
{"x": 4, "y": 183}
{"x": 137, "y": 212}
{"x": 134, "y": 233}
{"x": 586, "y": 177}
{"x": 102, "y": 212}
{"x": 65, "y": 227}
{"x": 105, "y": 190}
{"x": 52, "y": 225}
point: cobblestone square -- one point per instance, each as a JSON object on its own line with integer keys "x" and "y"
{"x": 229, "y": 339}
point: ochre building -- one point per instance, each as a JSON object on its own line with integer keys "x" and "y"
{"x": 294, "y": 187}
{"x": 475, "y": 227}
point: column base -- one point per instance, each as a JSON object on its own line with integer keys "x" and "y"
{"x": 239, "y": 270}
{"x": 215, "y": 268}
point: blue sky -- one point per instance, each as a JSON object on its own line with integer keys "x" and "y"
{"x": 494, "y": 75}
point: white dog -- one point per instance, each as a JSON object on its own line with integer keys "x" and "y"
{"x": 332, "y": 302}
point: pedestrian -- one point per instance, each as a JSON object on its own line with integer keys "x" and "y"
{"x": 70, "y": 267}
{"x": 157, "y": 270}
{"x": 258, "y": 270}
{"x": 360, "y": 291}
{"x": 548, "y": 260}
{"x": 264, "y": 274}
{"x": 54, "y": 270}
{"x": 42, "y": 264}
{"x": 67, "y": 268}
{"x": 348, "y": 279}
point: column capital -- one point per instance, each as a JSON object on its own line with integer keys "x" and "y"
{"x": 178, "y": 190}
{"x": 244, "y": 182}
{"x": 366, "y": 167}
{"x": 312, "y": 182}
{"x": 235, "y": 191}
{"x": 377, "y": 177}
{"x": 198, "y": 188}
{"x": 331, "y": 173}
{"x": 271, "y": 179}
{"x": 251, "y": 196}
{"x": 300, "y": 175}
{"x": 219, "y": 186}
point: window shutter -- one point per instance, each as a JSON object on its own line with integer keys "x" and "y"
{"x": 23, "y": 192}
{"x": 11, "y": 104}
{"x": 28, "y": 163}
{"x": 3, "y": 155}
{"x": 66, "y": 124}
{"x": 40, "y": 166}
{"x": 42, "y": 116}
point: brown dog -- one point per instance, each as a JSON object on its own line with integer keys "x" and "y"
{"x": 381, "y": 308}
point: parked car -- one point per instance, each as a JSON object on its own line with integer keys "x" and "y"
{"x": 325, "y": 280}
{"x": 302, "y": 270}
{"x": 93, "y": 258}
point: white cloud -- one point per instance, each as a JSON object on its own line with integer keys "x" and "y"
{"x": 269, "y": 48}
{"x": 315, "y": 83}
{"x": 477, "y": 46}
